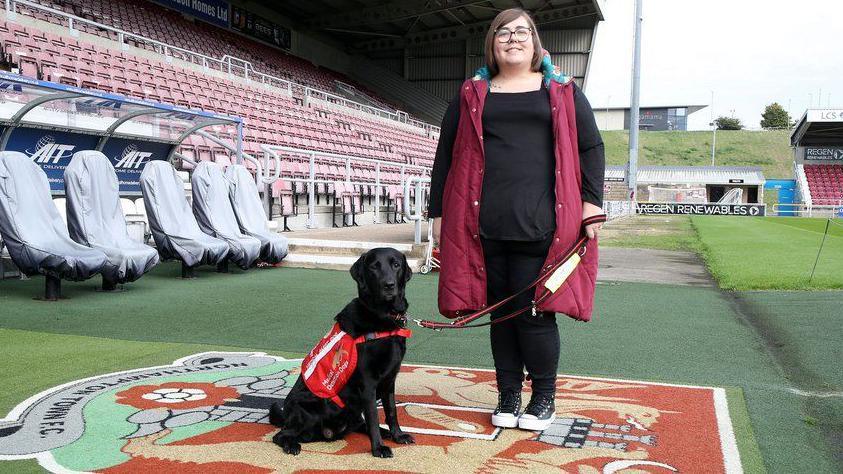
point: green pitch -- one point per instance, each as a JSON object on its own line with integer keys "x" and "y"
{"x": 641, "y": 331}
{"x": 746, "y": 253}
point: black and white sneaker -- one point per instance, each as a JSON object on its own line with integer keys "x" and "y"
{"x": 540, "y": 413}
{"x": 506, "y": 414}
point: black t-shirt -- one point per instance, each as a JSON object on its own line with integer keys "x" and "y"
{"x": 517, "y": 199}
{"x": 512, "y": 172}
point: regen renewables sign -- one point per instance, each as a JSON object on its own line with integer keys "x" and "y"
{"x": 714, "y": 209}
{"x": 211, "y": 11}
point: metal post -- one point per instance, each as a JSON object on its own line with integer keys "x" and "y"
{"x": 632, "y": 170}
{"x": 713, "y": 129}
{"x": 377, "y": 193}
{"x": 713, "y": 142}
{"x": 418, "y": 212}
{"x": 311, "y": 205}
{"x": 240, "y": 143}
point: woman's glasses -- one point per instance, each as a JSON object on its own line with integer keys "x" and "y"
{"x": 505, "y": 35}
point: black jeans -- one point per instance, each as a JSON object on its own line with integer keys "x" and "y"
{"x": 526, "y": 341}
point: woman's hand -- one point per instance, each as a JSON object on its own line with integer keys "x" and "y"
{"x": 437, "y": 230}
{"x": 588, "y": 210}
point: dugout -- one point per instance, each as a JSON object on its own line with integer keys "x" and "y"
{"x": 689, "y": 184}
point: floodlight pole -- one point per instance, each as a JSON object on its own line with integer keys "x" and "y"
{"x": 713, "y": 129}
{"x": 632, "y": 169}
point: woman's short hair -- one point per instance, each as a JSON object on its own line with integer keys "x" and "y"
{"x": 503, "y": 18}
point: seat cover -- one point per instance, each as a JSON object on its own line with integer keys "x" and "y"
{"x": 174, "y": 229}
{"x": 251, "y": 215}
{"x": 95, "y": 217}
{"x": 212, "y": 208}
{"x": 32, "y": 228}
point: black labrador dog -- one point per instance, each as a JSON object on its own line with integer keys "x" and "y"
{"x": 380, "y": 306}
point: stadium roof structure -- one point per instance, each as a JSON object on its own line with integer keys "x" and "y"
{"x": 818, "y": 127}
{"x": 691, "y": 108}
{"x": 368, "y": 25}
{"x": 27, "y": 102}
{"x": 748, "y": 175}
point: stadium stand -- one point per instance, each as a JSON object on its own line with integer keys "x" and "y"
{"x": 95, "y": 219}
{"x": 277, "y": 118}
{"x": 174, "y": 228}
{"x": 212, "y": 208}
{"x": 825, "y": 182}
{"x": 33, "y": 231}
{"x": 272, "y": 116}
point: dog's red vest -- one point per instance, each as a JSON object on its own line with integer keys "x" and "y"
{"x": 330, "y": 364}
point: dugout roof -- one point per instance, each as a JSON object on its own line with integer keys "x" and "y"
{"x": 26, "y": 102}
{"x": 818, "y": 127}
{"x": 751, "y": 176}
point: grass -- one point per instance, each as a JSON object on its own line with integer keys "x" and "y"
{"x": 651, "y": 232}
{"x": 771, "y": 253}
{"x": 640, "y": 331}
{"x": 769, "y": 150}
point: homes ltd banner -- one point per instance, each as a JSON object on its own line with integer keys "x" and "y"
{"x": 211, "y": 11}
{"x": 654, "y": 208}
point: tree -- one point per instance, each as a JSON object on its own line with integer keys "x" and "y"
{"x": 728, "y": 123}
{"x": 775, "y": 116}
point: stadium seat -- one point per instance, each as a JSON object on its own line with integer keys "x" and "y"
{"x": 250, "y": 214}
{"x": 212, "y": 208}
{"x": 33, "y": 231}
{"x": 174, "y": 229}
{"x": 95, "y": 219}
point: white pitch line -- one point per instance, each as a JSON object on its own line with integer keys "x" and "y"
{"x": 808, "y": 393}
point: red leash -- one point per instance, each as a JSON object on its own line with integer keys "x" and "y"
{"x": 463, "y": 321}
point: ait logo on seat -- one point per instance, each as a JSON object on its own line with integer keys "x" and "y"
{"x": 47, "y": 151}
{"x": 132, "y": 158}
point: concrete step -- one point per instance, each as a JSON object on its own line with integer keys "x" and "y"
{"x": 349, "y": 248}
{"x": 341, "y": 254}
{"x": 331, "y": 262}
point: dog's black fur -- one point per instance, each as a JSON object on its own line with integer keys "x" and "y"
{"x": 381, "y": 275}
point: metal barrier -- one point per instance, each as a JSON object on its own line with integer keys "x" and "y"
{"x": 418, "y": 215}
{"x": 275, "y": 150}
{"x": 617, "y": 209}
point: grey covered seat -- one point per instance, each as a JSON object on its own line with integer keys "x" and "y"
{"x": 212, "y": 208}
{"x": 174, "y": 229}
{"x": 33, "y": 230}
{"x": 95, "y": 218}
{"x": 251, "y": 216}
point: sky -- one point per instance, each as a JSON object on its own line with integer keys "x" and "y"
{"x": 750, "y": 53}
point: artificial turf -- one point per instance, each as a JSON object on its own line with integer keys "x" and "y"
{"x": 641, "y": 331}
{"x": 765, "y": 253}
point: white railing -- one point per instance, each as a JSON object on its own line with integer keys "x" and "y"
{"x": 275, "y": 151}
{"x": 310, "y": 93}
{"x": 397, "y": 116}
{"x": 805, "y": 210}
{"x": 230, "y": 64}
{"x": 802, "y": 183}
{"x": 418, "y": 214}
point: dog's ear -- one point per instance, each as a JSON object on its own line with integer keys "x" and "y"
{"x": 357, "y": 271}
{"x": 408, "y": 272}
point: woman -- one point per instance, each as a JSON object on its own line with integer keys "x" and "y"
{"x": 519, "y": 165}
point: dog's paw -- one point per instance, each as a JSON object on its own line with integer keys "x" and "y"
{"x": 382, "y": 452}
{"x": 403, "y": 438}
{"x": 291, "y": 447}
{"x": 287, "y": 443}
